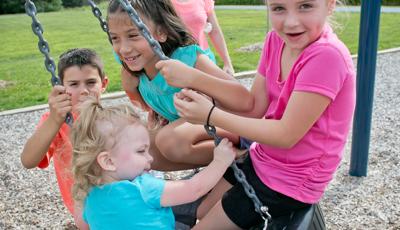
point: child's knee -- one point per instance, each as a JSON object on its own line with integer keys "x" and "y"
{"x": 171, "y": 145}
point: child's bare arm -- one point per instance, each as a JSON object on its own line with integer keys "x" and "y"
{"x": 302, "y": 111}
{"x": 38, "y": 144}
{"x": 185, "y": 191}
{"x": 209, "y": 79}
{"x": 130, "y": 84}
{"x": 218, "y": 40}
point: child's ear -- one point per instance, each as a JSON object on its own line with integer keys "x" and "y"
{"x": 104, "y": 84}
{"x": 105, "y": 161}
{"x": 161, "y": 35}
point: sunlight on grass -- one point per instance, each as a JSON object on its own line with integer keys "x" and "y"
{"x": 28, "y": 82}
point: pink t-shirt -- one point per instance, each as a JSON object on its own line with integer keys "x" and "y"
{"x": 324, "y": 67}
{"x": 61, "y": 151}
{"x": 194, "y": 14}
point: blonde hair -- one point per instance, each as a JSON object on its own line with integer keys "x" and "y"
{"x": 92, "y": 133}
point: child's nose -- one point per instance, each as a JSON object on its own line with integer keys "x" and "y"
{"x": 125, "y": 47}
{"x": 150, "y": 158}
{"x": 84, "y": 90}
{"x": 292, "y": 20}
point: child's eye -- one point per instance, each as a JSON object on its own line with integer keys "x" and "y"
{"x": 133, "y": 35}
{"x": 305, "y": 6}
{"x": 141, "y": 151}
{"x": 278, "y": 9}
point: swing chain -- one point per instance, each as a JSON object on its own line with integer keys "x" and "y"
{"x": 211, "y": 131}
{"x": 143, "y": 29}
{"x": 44, "y": 48}
{"x": 249, "y": 190}
{"x": 97, "y": 13}
{"x": 241, "y": 178}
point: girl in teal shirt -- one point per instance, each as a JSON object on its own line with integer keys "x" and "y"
{"x": 111, "y": 162}
{"x": 177, "y": 144}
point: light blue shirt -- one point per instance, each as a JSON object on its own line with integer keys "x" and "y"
{"x": 128, "y": 205}
{"x": 157, "y": 93}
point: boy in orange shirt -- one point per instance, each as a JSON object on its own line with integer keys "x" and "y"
{"x": 81, "y": 73}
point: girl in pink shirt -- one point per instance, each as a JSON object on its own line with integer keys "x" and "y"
{"x": 303, "y": 104}
{"x": 200, "y": 19}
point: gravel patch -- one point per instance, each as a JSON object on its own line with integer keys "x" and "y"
{"x": 257, "y": 47}
{"x": 30, "y": 199}
{"x": 4, "y": 84}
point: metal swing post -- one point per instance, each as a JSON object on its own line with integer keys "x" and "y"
{"x": 366, "y": 69}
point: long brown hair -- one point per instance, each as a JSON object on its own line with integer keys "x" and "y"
{"x": 163, "y": 15}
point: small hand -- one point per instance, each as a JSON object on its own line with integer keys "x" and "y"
{"x": 176, "y": 73}
{"x": 192, "y": 106}
{"x": 59, "y": 104}
{"x": 225, "y": 152}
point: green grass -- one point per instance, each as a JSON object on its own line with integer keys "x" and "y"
{"x": 28, "y": 82}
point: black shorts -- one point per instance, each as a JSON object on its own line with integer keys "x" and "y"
{"x": 240, "y": 208}
{"x": 244, "y": 143}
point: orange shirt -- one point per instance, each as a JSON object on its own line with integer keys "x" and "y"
{"x": 61, "y": 151}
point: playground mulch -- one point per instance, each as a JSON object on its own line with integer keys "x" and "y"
{"x": 29, "y": 199}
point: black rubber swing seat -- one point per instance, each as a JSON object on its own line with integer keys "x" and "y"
{"x": 310, "y": 218}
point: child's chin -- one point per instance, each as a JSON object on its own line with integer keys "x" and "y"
{"x": 75, "y": 108}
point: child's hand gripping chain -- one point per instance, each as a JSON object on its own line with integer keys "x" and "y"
{"x": 111, "y": 162}
{"x": 177, "y": 145}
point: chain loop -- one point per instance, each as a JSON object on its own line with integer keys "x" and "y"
{"x": 44, "y": 48}
{"x": 143, "y": 29}
{"x": 249, "y": 190}
{"x": 97, "y": 13}
{"x": 241, "y": 178}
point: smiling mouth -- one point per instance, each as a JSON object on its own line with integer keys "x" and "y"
{"x": 294, "y": 34}
{"x": 131, "y": 59}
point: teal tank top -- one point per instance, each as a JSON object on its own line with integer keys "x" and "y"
{"x": 157, "y": 93}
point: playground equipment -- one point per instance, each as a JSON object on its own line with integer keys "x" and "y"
{"x": 310, "y": 218}
{"x": 366, "y": 64}
{"x": 44, "y": 48}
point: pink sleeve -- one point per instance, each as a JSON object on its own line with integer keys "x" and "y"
{"x": 208, "y": 6}
{"x": 323, "y": 71}
{"x": 262, "y": 64}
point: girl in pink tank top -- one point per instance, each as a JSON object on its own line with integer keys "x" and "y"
{"x": 303, "y": 103}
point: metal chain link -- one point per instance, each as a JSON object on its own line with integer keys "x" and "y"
{"x": 143, "y": 29}
{"x": 44, "y": 48}
{"x": 241, "y": 178}
{"x": 249, "y": 190}
{"x": 97, "y": 13}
